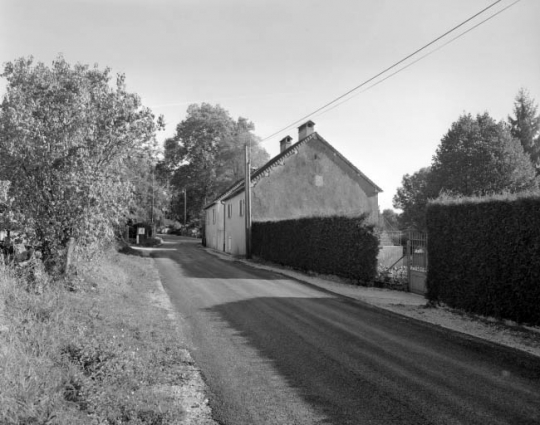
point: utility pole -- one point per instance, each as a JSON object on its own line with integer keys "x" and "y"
{"x": 152, "y": 212}
{"x": 247, "y": 206}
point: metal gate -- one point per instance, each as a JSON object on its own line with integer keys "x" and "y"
{"x": 417, "y": 261}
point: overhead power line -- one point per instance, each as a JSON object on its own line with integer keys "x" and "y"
{"x": 397, "y": 64}
{"x": 419, "y": 59}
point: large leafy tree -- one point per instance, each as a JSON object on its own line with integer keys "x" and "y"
{"x": 152, "y": 197}
{"x": 68, "y": 138}
{"x": 412, "y": 198}
{"x": 525, "y": 126}
{"x": 206, "y": 155}
{"x": 391, "y": 219}
{"x": 479, "y": 156}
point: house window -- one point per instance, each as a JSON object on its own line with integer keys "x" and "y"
{"x": 229, "y": 210}
{"x": 241, "y": 207}
{"x": 213, "y": 216}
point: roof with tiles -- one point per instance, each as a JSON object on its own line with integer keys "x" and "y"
{"x": 264, "y": 170}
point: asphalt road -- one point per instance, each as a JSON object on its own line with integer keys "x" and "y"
{"x": 275, "y": 351}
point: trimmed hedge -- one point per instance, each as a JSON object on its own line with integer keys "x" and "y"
{"x": 484, "y": 256}
{"x": 341, "y": 246}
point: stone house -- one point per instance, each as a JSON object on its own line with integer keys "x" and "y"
{"x": 308, "y": 178}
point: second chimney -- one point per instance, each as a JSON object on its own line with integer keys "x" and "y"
{"x": 306, "y": 129}
{"x": 285, "y": 143}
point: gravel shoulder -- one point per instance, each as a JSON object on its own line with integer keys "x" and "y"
{"x": 501, "y": 332}
{"x": 191, "y": 395}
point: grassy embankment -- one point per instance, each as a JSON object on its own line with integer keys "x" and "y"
{"x": 104, "y": 353}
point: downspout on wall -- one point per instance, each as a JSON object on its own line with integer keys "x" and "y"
{"x": 224, "y": 217}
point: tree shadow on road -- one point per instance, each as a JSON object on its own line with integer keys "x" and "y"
{"x": 358, "y": 365}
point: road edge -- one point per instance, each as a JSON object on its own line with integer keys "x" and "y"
{"x": 193, "y": 393}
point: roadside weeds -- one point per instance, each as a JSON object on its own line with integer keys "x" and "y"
{"x": 104, "y": 353}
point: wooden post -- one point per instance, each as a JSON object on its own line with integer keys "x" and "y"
{"x": 248, "y": 202}
{"x": 185, "y": 206}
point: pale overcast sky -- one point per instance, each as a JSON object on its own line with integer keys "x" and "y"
{"x": 275, "y": 61}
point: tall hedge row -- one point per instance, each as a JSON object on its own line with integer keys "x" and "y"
{"x": 484, "y": 256}
{"x": 341, "y": 246}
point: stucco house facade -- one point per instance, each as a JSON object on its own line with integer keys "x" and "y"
{"x": 308, "y": 178}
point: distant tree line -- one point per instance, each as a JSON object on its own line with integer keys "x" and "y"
{"x": 477, "y": 156}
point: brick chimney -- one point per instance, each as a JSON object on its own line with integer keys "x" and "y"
{"x": 285, "y": 143}
{"x": 306, "y": 129}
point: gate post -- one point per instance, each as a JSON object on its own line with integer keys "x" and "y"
{"x": 409, "y": 259}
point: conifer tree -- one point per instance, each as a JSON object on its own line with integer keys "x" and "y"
{"x": 525, "y": 126}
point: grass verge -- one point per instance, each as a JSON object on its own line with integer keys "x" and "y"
{"x": 103, "y": 353}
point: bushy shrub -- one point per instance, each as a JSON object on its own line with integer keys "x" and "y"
{"x": 484, "y": 255}
{"x": 341, "y": 246}
{"x": 69, "y": 144}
